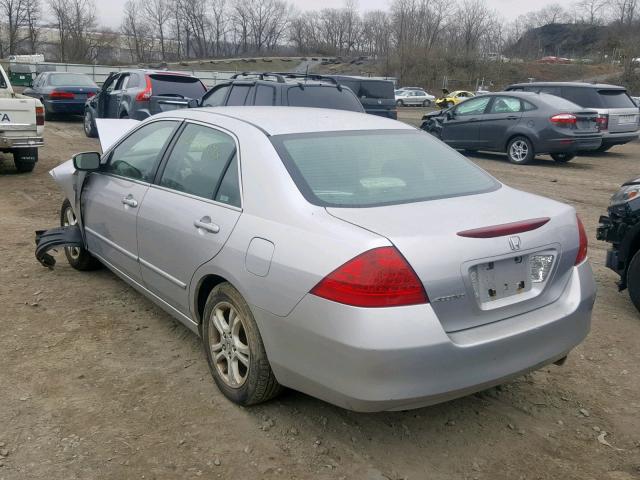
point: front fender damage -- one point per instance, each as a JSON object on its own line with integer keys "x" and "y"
{"x": 46, "y": 240}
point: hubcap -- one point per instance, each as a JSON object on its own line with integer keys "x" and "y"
{"x": 87, "y": 122}
{"x": 229, "y": 345}
{"x": 70, "y": 219}
{"x": 519, "y": 150}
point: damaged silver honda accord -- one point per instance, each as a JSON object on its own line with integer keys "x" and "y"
{"x": 351, "y": 257}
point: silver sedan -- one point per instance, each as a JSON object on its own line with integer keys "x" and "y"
{"x": 347, "y": 256}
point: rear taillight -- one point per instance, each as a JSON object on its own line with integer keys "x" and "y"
{"x": 602, "y": 121}
{"x": 563, "y": 119}
{"x": 61, "y": 95}
{"x": 39, "y": 115}
{"x": 582, "y": 249}
{"x": 377, "y": 278}
{"x": 91, "y": 94}
{"x": 145, "y": 95}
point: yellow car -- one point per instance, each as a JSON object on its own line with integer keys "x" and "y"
{"x": 449, "y": 99}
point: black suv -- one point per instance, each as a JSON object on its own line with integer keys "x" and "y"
{"x": 280, "y": 89}
{"x": 618, "y": 115}
{"x": 378, "y": 97}
{"x": 138, "y": 94}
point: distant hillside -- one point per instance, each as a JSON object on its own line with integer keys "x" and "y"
{"x": 562, "y": 40}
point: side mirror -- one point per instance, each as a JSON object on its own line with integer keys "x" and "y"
{"x": 87, "y": 161}
{"x": 450, "y": 115}
{"x": 193, "y": 103}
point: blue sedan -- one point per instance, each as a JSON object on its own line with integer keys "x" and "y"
{"x": 62, "y": 92}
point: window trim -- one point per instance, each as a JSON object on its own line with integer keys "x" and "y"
{"x": 165, "y": 158}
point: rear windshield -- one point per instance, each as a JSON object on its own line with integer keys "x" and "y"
{"x": 70, "y": 80}
{"x": 378, "y": 167}
{"x": 616, "y": 99}
{"x": 177, "y": 86}
{"x": 320, "y": 96}
{"x": 377, "y": 89}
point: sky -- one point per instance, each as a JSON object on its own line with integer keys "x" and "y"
{"x": 110, "y": 11}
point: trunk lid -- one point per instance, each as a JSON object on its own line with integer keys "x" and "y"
{"x": 457, "y": 272}
{"x": 623, "y": 120}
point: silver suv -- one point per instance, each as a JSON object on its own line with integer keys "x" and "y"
{"x": 618, "y": 115}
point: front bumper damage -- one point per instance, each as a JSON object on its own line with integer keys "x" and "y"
{"x": 46, "y": 240}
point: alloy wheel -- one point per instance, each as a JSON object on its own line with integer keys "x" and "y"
{"x": 229, "y": 344}
{"x": 519, "y": 150}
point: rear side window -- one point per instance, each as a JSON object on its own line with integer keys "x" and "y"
{"x": 321, "y": 96}
{"x": 176, "y": 86}
{"x": 505, "y": 105}
{"x": 199, "y": 161}
{"x": 238, "y": 95}
{"x": 380, "y": 167}
{"x": 265, "y": 96}
{"x": 216, "y": 97}
{"x": 616, "y": 99}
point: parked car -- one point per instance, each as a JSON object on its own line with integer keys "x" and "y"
{"x": 62, "y": 92}
{"x": 621, "y": 228}
{"x": 377, "y": 96}
{"x": 290, "y": 238}
{"x": 21, "y": 125}
{"x": 415, "y": 98}
{"x": 138, "y": 94}
{"x": 280, "y": 89}
{"x": 449, "y": 99}
{"x": 522, "y": 124}
{"x": 413, "y": 88}
{"x": 618, "y": 116}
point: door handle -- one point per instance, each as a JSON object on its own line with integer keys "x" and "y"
{"x": 512, "y": 117}
{"x": 205, "y": 224}
{"x": 130, "y": 201}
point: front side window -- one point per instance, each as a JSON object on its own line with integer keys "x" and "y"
{"x": 198, "y": 163}
{"x": 505, "y": 105}
{"x": 138, "y": 155}
{"x": 379, "y": 167}
{"x": 476, "y": 106}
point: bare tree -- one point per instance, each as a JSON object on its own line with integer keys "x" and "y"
{"x": 157, "y": 14}
{"x": 625, "y": 11}
{"x": 14, "y": 14}
{"x": 75, "y": 21}
{"x": 33, "y": 13}
{"x": 592, "y": 12}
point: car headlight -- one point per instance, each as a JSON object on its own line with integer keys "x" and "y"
{"x": 625, "y": 194}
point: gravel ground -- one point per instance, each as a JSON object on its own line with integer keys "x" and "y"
{"x": 96, "y": 382}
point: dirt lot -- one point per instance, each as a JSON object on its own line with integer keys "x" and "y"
{"x": 96, "y": 382}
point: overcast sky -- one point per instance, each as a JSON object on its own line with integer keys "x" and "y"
{"x": 110, "y": 11}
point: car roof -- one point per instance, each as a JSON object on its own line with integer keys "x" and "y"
{"x": 569, "y": 84}
{"x": 290, "y": 120}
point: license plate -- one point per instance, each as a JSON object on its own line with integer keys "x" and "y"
{"x": 627, "y": 119}
{"x": 501, "y": 279}
{"x": 585, "y": 124}
{"x": 81, "y": 96}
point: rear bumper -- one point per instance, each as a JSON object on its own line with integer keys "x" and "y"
{"x": 619, "y": 138}
{"x": 401, "y": 358}
{"x": 7, "y": 143}
{"x": 570, "y": 144}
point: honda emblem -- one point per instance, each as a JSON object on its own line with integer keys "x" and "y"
{"x": 514, "y": 243}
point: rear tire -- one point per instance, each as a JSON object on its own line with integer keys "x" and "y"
{"x": 89, "y": 125}
{"x": 426, "y": 103}
{"x": 78, "y": 257}
{"x": 230, "y": 337}
{"x": 633, "y": 280}
{"x": 520, "y": 150}
{"x": 563, "y": 157}
{"x": 25, "y": 159}
{"x": 399, "y": 103}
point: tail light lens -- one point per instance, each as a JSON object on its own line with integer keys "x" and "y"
{"x": 146, "y": 94}
{"x": 603, "y": 122}
{"x": 564, "y": 119}
{"x": 60, "y": 95}
{"x": 91, "y": 94}
{"x": 582, "y": 249}
{"x": 39, "y": 116}
{"x": 377, "y": 278}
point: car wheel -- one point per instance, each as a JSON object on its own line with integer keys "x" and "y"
{"x": 400, "y": 103}
{"x": 633, "y": 280}
{"x": 233, "y": 346}
{"x": 520, "y": 150}
{"x": 89, "y": 125}
{"x": 563, "y": 157}
{"x": 25, "y": 159}
{"x": 78, "y": 257}
{"x": 426, "y": 103}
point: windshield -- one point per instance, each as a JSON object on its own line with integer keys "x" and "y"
{"x": 377, "y": 167}
{"x": 176, "y": 86}
{"x": 70, "y": 80}
{"x": 616, "y": 99}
